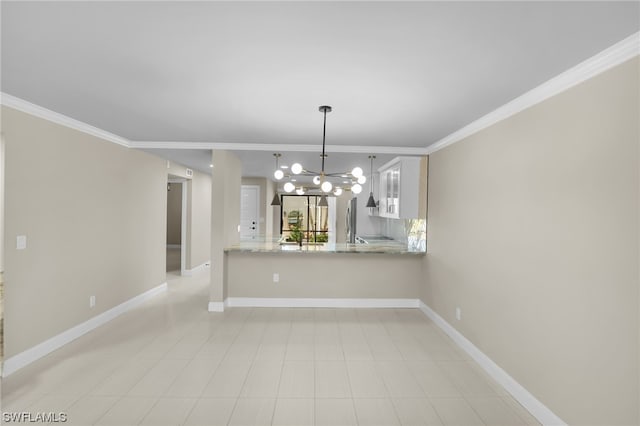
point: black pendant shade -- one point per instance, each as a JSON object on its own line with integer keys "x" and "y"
{"x": 371, "y": 202}
{"x": 276, "y": 200}
{"x": 323, "y": 201}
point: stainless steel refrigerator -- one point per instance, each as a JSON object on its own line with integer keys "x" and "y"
{"x": 351, "y": 220}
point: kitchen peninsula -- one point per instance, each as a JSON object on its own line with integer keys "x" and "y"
{"x": 328, "y": 275}
{"x": 384, "y": 270}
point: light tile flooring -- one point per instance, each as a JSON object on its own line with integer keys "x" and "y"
{"x": 170, "y": 362}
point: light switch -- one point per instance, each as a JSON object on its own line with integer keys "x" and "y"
{"x": 21, "y": 242}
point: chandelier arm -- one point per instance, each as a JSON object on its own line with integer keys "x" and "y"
{"x": 309, "y": 173}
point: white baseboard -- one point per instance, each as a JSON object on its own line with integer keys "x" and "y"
{"x": 174, "y": 246}
{"x": 523, "y": 396}
{"x": 216, "y": 306}
{"x": 190, "y": 272}
{"x": 286, "y": 302}
{"x": 16, "y": 362}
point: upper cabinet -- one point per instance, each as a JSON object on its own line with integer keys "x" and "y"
{"x": 403, "y": 188}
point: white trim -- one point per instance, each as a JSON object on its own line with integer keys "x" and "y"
{"x": 286, "y": 302}
{"x": 174, "y": 246}
{"x": 16, "y": 362}
{"x": 608, "y": 58}
{"x": 358, "y": 149}
{"x": 388, "y": 164}
{"x": 523, "y": 396}
{"x": 216, "y": 306}
{"x": 38, "y": 111}
{"x": 192, "y": 271}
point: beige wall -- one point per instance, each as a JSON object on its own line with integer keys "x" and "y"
{"x": 324, "y": 275}
{"x": 198, "y": 220}
{"x": 174, "y": 214}
{"x": 1, "y": 203}
{"x": 176, "y": 170}
{"x": 94, "y": 214}
{"x": 533, "y": 232}
{"x": 225, "y": 215}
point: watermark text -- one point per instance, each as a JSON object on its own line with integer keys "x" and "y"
{"x": 28, "y": 417}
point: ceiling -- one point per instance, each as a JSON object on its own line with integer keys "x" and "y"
{"x": 398, "y": 74}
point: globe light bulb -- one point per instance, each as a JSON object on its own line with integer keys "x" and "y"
{"x": 288, "y": 187}
{"x": 337, "y": 192}
{"x": 362, "y": 179}
{"x": 278, "y": 174}
{"x": 326, "y": 186}
{"x": 316, "y": 180}
{"x": 300, "y": 191}
{"x": 356, "y": 188}
{"x": 296, "y": 168}
{"x": 356, "y": 172}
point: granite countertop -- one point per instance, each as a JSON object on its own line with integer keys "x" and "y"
{"x": 386, "y": 247}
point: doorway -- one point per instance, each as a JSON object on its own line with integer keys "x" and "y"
{"x": 249, "y": 212}
{"x": 176, "y": 225}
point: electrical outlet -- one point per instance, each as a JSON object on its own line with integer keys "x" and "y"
{"x": 92, "y": 301}
{"x": 458, "y": 314}
{"x": 21, "y": 242}
{"x": 276, "y": 277}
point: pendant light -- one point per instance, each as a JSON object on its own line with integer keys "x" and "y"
{"x": 322, "y": 180}
{"x": 371, "y": 202}
{"x": 276, "y": 200}
{"x": 278, "y": 173}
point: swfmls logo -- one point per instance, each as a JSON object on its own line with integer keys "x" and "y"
{"x": 26, "y": 417}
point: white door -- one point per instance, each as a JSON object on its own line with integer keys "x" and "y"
{"x": 249, "y": 212}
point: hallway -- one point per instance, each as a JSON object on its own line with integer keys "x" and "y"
{"x": 172, "y": 362}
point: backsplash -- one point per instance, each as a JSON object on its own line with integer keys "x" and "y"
{"x": 407, "y": 231}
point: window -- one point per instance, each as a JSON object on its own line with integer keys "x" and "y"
{"x": 302, "y": 219}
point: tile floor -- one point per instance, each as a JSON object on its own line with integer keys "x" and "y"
{"x": 170, "y": 362}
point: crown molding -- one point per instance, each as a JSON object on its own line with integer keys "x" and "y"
{"x": 357, "y": 149}
{"x": 608, "y": 58}
{"x": 41, "y": 112}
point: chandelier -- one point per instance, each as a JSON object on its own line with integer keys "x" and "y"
{"x": 322, "y": 180}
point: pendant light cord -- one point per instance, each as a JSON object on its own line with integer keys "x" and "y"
{"x": 324, "y": 131}
{"x": 371, "y": 173}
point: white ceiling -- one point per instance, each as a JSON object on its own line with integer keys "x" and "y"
{"x": 398, "y": 74}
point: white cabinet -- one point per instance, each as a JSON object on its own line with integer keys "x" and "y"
{"x": 390, "y": 192}
{"x": 400, "y": 189}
